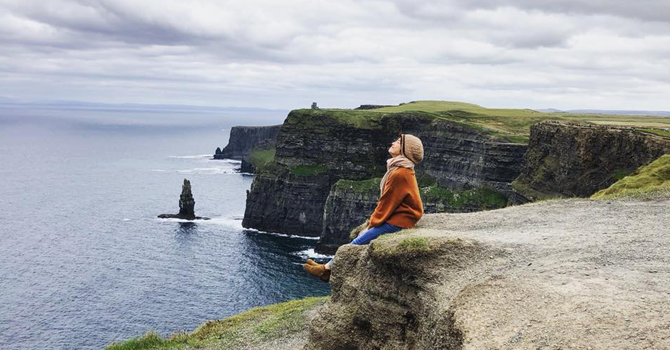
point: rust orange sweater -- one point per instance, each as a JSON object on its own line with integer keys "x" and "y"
{"x": 400, "y": 204}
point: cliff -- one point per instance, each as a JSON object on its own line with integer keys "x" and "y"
{"x": 559, "y": 274}
{"x": 244, "y": 139}
{"x": 576, "y": 160}
{"x": 317, "y": 148}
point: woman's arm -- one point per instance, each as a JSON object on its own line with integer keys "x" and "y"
{"x": 395, "y": 191}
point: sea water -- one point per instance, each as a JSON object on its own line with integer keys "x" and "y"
{"x": 85, "y": 262}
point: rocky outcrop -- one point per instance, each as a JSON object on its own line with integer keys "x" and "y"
{"x": 560, "y": 274}
{"x": 244, "y": 139}
{"x": 317, "y": 148}
{"x": 186, "y": 205}
{"x": 577, "y": 160}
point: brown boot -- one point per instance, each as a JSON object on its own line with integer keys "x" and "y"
{"x": 312, "y": 262}
{"x": 325, "y": 276}
{"x": 318, "y": 271}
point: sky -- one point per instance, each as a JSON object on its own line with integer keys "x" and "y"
{"x": 569, "y": 54}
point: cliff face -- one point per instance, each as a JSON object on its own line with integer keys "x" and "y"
{"x": 576, "y": 160}
{"x": 317, "y": 148}
{"x": 546, "y": 275}
{"x": 461, "y": 157}
{"x": 244, "y": 139}
{"x": 286, "y": 202}
{"x": 314, "y": 149}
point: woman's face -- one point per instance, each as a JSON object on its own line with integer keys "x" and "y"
{"x": 394, "y": 150}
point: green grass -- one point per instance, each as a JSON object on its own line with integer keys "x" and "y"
{"x": 648, "y": 181}
{"x": 260, "y": 158}
{"x": 483, "y": 197}
{"x": 659, "y": 132}
{"x": 308, "y": 170}
{"x": 403, "y": 244}
{"x": 414, "y": 244}
{"x": 513, "y": 125}
{"x": 362, "y": 186}
{"x": 252, "y": 327}
{"x": 362, "y": 119}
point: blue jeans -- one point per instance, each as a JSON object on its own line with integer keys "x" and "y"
{"x": 367, "y": 236}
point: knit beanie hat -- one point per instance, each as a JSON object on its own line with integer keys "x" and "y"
{"x": 411, "y": 147}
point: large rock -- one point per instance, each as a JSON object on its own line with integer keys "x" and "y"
{"x": 577, "y": 160}
{"x": 572, "y": 274}
{"x": 186, "y": 205}
{"x": 244, "y": 139}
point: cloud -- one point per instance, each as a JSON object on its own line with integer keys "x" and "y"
{"x": 523, "y": 53}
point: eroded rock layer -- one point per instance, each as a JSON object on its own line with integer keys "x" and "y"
{"x": 577, "y": 160}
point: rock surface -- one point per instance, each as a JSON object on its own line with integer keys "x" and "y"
{"x": 186, "y": 205}
{"x": 244, "y": 139}
{"x": 576, "y": 274}
{"x": 332, "y": 148}
{"x": 577, "y": 160}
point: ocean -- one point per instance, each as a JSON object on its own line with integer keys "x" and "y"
{"x": 85, "y": 262}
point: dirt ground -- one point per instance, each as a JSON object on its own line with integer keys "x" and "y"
{"x": 574, "y": 274}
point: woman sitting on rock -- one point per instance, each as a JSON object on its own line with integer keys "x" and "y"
{"x": 399, "y": 204}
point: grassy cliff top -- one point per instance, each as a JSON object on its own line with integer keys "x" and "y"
{"x": 647, "y": 181}
{"x": 512, "y": 125}
{"x": 257, "y": 327}
{"x": 518, "y": 121}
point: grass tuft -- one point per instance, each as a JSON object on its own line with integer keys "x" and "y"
{"x": 647, "y": 181}
{"x": 261, "y": 158}
{"x": 360, "y": 186}
{"x": 483, "y": 197}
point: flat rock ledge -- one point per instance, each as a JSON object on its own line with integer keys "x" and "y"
{"x": 562, "y": 274}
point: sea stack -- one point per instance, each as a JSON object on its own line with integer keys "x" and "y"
{"x": 186, "y": 205}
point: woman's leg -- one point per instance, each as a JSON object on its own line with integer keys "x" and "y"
{"x": 367, "y": 236}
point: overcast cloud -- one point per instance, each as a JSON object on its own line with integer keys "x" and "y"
{"x": 607, "y": 54}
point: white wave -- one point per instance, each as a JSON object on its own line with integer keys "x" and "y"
{"x": 282, "y": 234}
{"x": 208, "y": 171}
{"x": 179, "y": 220}
{"x": 197, "y": 156}
{"x": 311, "y": 254}
{"x": 227, "y": 160}
{"x": 231, "y": 222}
{"x": 126, "y": 219}
{"x": 204, "y": 171}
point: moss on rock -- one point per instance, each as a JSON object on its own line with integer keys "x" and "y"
{"x": 259, "y": 158}
{"x": 483, "y": 197}
{"x": 362, "y": 186}
{"x": 647, "y": 181}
